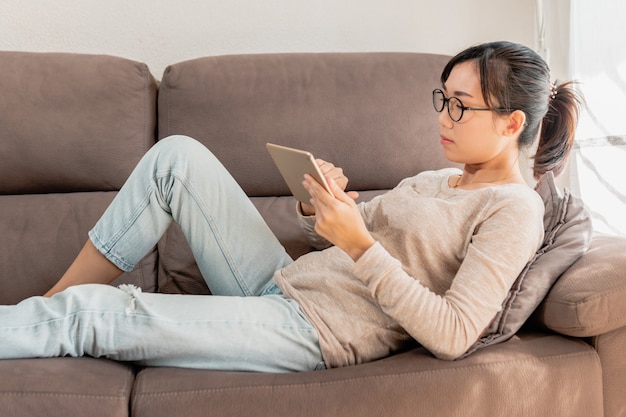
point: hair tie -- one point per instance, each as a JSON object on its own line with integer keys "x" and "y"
{"x": 553, "y": 90}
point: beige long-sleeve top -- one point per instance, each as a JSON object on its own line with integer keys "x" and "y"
{"x": 439, "y": 272}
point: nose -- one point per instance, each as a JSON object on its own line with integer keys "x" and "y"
{"x": 444, "y": 118}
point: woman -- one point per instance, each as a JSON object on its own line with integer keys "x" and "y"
{"x": 431, "y": 260}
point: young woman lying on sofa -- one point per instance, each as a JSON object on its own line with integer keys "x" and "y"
{"x": 431, "y": 260}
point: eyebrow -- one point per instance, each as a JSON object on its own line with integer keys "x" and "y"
{"x": 457, "y": 93}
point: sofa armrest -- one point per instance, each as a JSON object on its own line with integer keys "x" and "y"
{"x": 588, "y": 299}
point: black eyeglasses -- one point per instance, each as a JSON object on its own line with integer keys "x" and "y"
{"x": 455, "y": 106}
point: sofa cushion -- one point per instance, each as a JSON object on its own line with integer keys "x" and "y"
{"x": 370, "y": 113}
{"x": 43, "y": 233}
{"x": 533, "y": 375}
{"x": 72, "y": 122}
{"x": 568, "y": 231}
{"x": 68, "y": 387}
{"x": 583, "y": 307}
{"x": 610, "y": 348}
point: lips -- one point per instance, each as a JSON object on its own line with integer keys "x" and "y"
{"x": 446, "y": 141}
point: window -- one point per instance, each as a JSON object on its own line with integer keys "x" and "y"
{"x": 598, "y": 61}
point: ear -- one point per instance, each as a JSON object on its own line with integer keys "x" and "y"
{"x": 516, "y": 121}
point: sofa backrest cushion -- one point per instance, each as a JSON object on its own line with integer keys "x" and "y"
{"x": 41, "y": 236}
{"x": 72, "y": 127}
{"x": 370, "y": 113}
{"x": 72, "y": 122}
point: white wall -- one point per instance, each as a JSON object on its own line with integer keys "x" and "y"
{"x": 161, "y": 32}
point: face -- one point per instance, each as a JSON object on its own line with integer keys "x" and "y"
{"x": 479, "y": 137}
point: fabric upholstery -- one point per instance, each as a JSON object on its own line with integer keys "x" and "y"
{"x": 568, "y": 231}
{"x": 65, "y": 387}
{"x": 580, "y": 306}
{"x": 368, "y": 113}
{"x": 78, "y": 122}
{"x": 610, "y": 348}
{"x": 71, "y": 126}
{"x": 55, "y": 227}
{"x": 528, "y": 376}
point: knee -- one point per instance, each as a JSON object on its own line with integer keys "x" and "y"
{"x": 185, "y": 151}
{"x": 185, "y": 147}
{"x": 179, "y": 144}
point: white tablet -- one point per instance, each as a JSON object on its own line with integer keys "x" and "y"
{"x": 293, "y": 164}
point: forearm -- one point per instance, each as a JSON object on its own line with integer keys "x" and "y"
{"x": 446, "y": 325}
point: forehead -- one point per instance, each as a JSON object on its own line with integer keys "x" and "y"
{"x": 464, "y": 81}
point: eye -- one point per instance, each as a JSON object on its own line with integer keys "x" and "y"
{"x": 456, "y": 103}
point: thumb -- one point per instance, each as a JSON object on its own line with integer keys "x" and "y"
{"x": 353, "y": 194}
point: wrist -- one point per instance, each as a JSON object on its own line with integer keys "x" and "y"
{"x": 306, "y": 209}
{"x": 359, "y": 248}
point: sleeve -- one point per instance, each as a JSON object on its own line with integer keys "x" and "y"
{"x": 307, "y": 224}
{"x": 448, "y": 325}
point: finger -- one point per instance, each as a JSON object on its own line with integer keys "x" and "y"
{"x": 314, "y": 188}
{"x": 338, "y": 192}
{"x": 353, "y": 194}
{"x": 325, "y": 166}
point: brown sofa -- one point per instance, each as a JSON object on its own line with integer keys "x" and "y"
{"x": 73, "y": 126}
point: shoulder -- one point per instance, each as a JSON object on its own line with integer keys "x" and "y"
{"x": 514, "y": 210}
{"x": 517, "y": 198}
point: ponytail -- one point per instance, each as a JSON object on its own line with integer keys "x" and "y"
{"x": 558, "y": 127}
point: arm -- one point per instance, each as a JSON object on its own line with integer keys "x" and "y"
{"x": 448, "y": 324}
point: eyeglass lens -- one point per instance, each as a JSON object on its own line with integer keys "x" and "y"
{"x": 455, "y": 106}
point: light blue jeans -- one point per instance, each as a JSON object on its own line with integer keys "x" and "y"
{"x": 248, "y": 324}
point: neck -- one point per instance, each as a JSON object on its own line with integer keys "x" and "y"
{"x": 473, "y": 177}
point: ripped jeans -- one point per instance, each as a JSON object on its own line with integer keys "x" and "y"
{"x": 247, "y": 325}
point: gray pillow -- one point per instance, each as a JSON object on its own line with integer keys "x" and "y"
{"x": 568, "y": 231}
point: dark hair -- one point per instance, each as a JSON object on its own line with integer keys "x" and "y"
{"x": 514, "y": 77}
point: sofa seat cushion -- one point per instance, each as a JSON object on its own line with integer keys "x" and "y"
{"x": 533, "y": 374}
{"x": 65, "y": 387}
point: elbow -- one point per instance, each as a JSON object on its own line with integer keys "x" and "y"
{"x": 451, "y": 354}
{"x": 460, "y": 342}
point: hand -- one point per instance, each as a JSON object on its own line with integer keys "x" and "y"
{"x": 338, "y": 218}
{"x": 329, "y": 171}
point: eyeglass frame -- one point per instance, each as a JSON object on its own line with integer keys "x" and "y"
{"x": 446, "y": 103}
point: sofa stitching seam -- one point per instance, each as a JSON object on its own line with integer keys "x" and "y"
{"x": 343, "y": 381}
{"x": 59, "y": 394}
{"x": 590, "y": 299}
